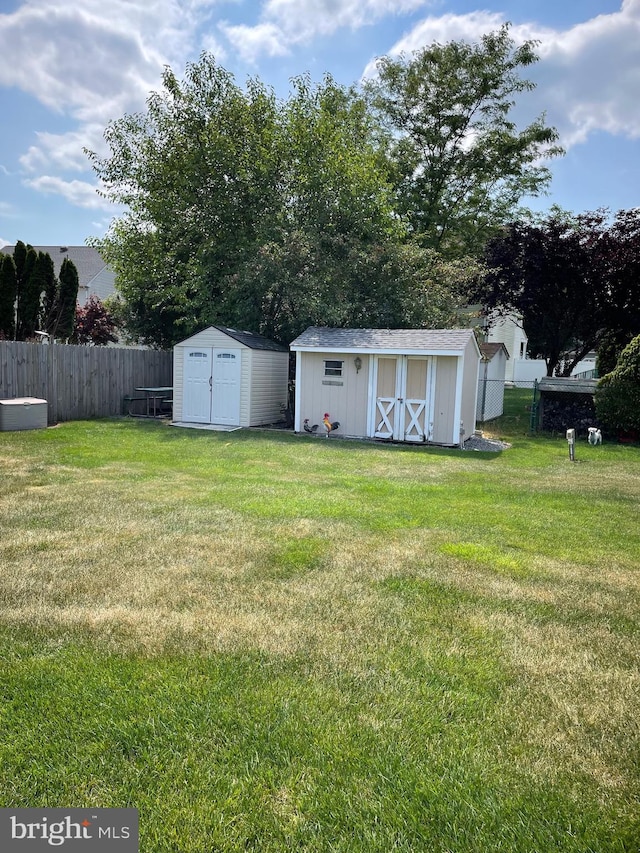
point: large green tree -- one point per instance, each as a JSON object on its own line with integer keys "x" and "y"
{"x": 242, "y": 209}
{"x": 461, "y": 165}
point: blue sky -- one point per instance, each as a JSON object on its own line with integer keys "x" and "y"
{"x": 67, "y": 68}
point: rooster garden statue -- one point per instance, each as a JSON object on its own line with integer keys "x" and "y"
{"x": 328, "y": 425}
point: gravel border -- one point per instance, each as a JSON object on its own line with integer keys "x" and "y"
{"x": 477, "y": 442}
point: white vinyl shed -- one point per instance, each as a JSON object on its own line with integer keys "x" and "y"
{"x": 491, "y": 381}
{"x": 230, "y": 378}
{"x": 415, "y": 385}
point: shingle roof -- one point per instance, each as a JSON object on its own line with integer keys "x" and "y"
{"x": 491, "y": 349}
{"x": 251, "y": 340}
{"x": 86, "y": 259}
{"x": 319, "y": 337}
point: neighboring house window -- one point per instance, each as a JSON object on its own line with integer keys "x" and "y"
{"x": 333, "y": 368}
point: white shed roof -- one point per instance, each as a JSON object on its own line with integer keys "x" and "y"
{"x": 247, "y": 339}
{"x": 321, "y": 339}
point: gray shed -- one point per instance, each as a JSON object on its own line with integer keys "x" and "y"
{"x": 230, "y": 378}
{"x": 417, "y": 385}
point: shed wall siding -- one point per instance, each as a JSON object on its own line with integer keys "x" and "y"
{"x": 445, "y": 399}
{"x": 346, "y": 398}
{"x": 246, "y": 358}
{"x": 470, "y": 389}
{"x": 178, "y": 372}
{"x": 269, "y": 381}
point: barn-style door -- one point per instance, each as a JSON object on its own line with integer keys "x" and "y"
{"x": 403, "y": 402}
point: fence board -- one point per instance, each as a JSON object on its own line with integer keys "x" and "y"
{"x": 79, "y": 382}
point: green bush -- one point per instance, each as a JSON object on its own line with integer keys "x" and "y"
{"x": 618, "y": 395}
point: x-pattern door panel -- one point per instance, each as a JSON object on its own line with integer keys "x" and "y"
{"x": 385, "y": 416}
{"x": 404, "y": 398}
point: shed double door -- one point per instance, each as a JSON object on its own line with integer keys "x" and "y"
{"x": 211, "y": 386}
{"x": 404, "y": 398}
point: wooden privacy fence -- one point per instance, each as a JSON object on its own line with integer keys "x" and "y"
{"x": 80, "y": 382}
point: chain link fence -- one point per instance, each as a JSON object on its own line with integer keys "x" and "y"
{"x": 490, "y": 402}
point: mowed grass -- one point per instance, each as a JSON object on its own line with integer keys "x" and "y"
{"x": 272, "y": 642}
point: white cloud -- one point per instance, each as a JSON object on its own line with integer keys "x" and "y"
{"x": 91, "y": 61}
{"x": 77, "y": 59}
{"x": 63, "y": 150}
{"x": 285, "y": 23}
{"x": 78, "y": 193}
{"x": 253, "y": 42}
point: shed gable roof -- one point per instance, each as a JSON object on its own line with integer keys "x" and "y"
{"x": 252, "y": 340}
{"x": 490, "y": 350}
{"x": 247, "y": 339}
{"x": 322, "y": 338}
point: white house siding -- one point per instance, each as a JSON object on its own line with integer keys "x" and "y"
{"x": 344, "y": 397}
{"x": 445, "y": 399}
{"x": 102, "y": 286}
{"x": 509, "y": 332}
{"x": 269, "y": 382}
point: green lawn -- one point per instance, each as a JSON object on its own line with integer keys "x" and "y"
{"x": 271, "y": 642}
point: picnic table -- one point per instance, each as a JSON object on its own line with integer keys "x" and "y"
{"x": 157, "y": 401}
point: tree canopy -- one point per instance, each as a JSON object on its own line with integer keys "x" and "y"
{"x": 270, "y": 214}
{"x": 222, "y": 184}
{"x": 618, "y": 394}
{"x": 460, "y": 164}
{"x": 94, "y": 325}
{"x": 572, "y": 278}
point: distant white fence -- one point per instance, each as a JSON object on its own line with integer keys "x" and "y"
{"x": 526, "y": 370}
{"x": 80, "y": 382}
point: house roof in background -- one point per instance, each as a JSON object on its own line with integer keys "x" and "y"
{"x": 378, "y": 340}
{"x": 86, "y": 259}
{"x": 490, "y": 350}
